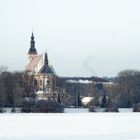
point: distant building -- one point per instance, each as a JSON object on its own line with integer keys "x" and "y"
{"x": 44, "y": 74}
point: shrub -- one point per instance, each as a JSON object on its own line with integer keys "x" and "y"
{"x": 92, "y": 109}
{"x": 13, "y": 110}
{"x": 27, "y": 106}
{"x": 47, "y": 106}
{"x": 136, "y": 107}
{"x": 111, "y": 107}
{"x": 104, "y": 101}
{"x": 1, "y": 110}
{"x": 42, "y": 106}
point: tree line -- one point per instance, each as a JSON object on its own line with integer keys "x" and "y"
{"x": 125, "y": 92}
{"x": 14, "y": 87}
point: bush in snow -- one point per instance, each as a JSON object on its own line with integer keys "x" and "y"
{"x": 111, "y": 107}
{"x": 27, "y": 106}
{"x": 47, "y": 106}
{"x": 1, "y": 110}
{"x": 92, "y": 109}
{"x": 42, "y": 106}
{"x": 136, "y": 107}
{"x": 104, "y": 101}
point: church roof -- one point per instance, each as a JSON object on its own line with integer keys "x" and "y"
{"x": 36, "y": 64}
{"x": 31, "y": 66}
{"x": 47, "y": 70}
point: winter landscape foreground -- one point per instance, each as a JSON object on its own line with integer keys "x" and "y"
{"x": 70, "y": 126}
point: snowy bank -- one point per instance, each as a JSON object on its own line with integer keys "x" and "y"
{"x": 70, "y": 126}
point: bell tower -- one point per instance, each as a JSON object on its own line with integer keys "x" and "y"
{"x": 32, "y": 51}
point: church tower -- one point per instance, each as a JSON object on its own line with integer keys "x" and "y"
{"x": 44, "y": 76}
{"x": 32, "y": 51}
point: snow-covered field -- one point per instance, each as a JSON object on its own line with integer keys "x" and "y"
{"x": 70, "y": 126}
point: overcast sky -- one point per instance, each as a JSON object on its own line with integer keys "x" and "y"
{"x": 82, "y": 37}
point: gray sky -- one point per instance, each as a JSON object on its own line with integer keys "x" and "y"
{"x": 82, "y": 37}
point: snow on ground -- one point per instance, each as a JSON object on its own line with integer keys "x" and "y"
{"x": 99, "y": 110}
{"x": 76, "y": 110}
{"x": 70, "y": 126}
{"x": 125, "y": 110}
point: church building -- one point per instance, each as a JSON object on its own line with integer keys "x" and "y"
{"x": 44, "y": 75}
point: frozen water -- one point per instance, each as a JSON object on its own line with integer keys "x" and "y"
{"x": 76, "y": 110}
{"x": 70, "y": 126}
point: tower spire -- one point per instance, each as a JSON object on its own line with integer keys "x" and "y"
{"x": 32, "y": 37}
{"x": 46, "y": 62}
{"x": 32, "y": 49}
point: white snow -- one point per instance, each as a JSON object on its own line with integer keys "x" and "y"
{"x": 9, "y": 110}
{"x": 85, "y": 81}
{"x": 70, "y": 126}
{"x": 80, "y": 81}
{"x": 76, "y": 110}
{"x": 86, "y": 100}
{"x": 39, "y": 92}
{"x": 125, "y": 110}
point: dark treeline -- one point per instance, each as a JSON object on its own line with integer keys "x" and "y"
{"x": 11, "y": 91}
{"x": 125, "y": 92}
{"x": 14, "y": 87}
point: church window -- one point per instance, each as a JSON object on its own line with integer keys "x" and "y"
{"x": 35, "y": 82}
{"x": 40, "y": 82}
{"x": 48, "y": 82}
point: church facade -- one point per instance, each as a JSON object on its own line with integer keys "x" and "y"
{"x": 44, "y": 76}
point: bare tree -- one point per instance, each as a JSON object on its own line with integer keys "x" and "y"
{"x": 17, "y": 95}
{"x": 2, "y": 93}
{"x": 3, "y": 69}
{"x": 113, "y": 92}
{"x": 129, "y": 86}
